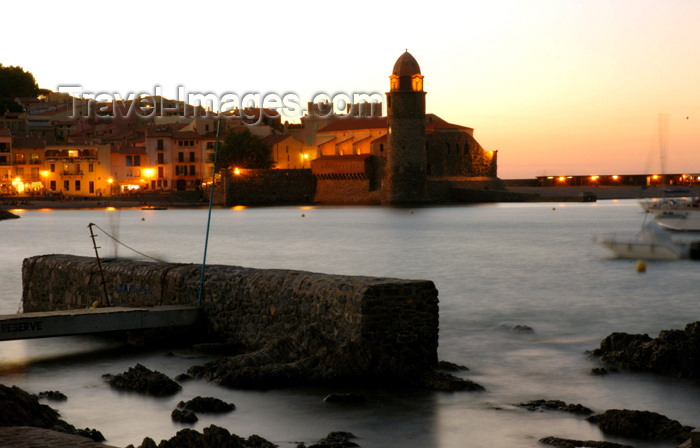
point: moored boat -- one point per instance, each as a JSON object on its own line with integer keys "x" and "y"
{"x": 680, "y": 214}
{"x": 652, "y": 242}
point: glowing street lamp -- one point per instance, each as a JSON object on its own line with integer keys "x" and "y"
{"x": 18, "y": 184}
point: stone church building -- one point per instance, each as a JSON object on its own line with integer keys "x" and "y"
{"x": 407, "y": 157}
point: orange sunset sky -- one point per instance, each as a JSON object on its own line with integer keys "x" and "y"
{"x": 556, "y": 86}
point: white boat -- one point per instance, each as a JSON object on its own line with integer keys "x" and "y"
{"x": 658, "y": 204}
{"x": 680, "y": 214}
{"x": 652, "y": 242}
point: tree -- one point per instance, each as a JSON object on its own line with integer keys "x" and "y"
{"x": 242, "y": 149}
{"x": 14, "y": 83}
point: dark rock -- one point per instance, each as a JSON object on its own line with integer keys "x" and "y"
{"x": 523, "y": 329}
{"x": 210, "y": 437}
{"x": 142, "y": 380}
{"x": 280, "y": 365}
{"x": 445, "y": 382}
{"x": 4, "y": 214}
{"x": 183, "y": 377}
{"x": 184, "y": 416}
{"x": 255, "y": 441}
{"x": 673, "y": 352}
{"x": 147, "y": 443}
{"x": 219, "y": 348}
{"x": 207, "y": 405}
{"x": 52, "y": 395}
{"x": 20, "y": 408}
{"x": 568, "y": 443}
{"x": 641, "y": 425}
{"x": 450, "y": 367}
{"x": 245, "y": 372}
{"x": 338, "y": 439}
{"x": 344, "y": 398}
{"x": 91, "y": 434}
{"x": 555, "y": 405}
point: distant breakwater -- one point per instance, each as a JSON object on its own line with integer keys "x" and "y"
{"x": 316, "y": 326}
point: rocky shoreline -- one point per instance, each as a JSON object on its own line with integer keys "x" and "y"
{"x": 672, "y": 352}
{"x": 23, "y": 412}
{"x": 4, "y": 214}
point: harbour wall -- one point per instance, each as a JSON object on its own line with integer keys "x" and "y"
{"x": 256, "y": 187}
{"x": 355, "y": 326}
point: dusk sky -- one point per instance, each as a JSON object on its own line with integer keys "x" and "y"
{"x": 556, "y": 86}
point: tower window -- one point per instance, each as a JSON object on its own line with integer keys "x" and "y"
{"x": 417, "y": 83}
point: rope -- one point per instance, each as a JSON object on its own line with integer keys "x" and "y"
{"x": 128, "y": 247}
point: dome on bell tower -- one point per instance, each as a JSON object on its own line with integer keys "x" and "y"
{"x": 406, "y": 75}
{"x": 406, "y": 65}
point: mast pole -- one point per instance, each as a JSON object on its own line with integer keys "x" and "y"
{"x": 211, "y": 201}
{"x": 99, "y": 264}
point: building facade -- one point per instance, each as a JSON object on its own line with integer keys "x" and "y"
{"x": 404, "y": 158}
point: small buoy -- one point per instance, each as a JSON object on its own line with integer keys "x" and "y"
{"x": 302, "y": 215}
{"x": 641, "y": 266}
{"x": 143, "y": 219}
{"x": 411, "y": 211}
{"x": 554, "y": 208}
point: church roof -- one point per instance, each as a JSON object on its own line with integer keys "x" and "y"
{"x": 273, "y": 139}
{"x": 353, "y": 124}
{"x": 433, "y": 123}
{"x": 406, "y": 65}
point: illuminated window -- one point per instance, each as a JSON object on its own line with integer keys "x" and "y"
{"x": 394, "y": 82}
{"x": 417, "y": 83}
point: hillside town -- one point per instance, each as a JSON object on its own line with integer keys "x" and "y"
{"x": 67, "y": 146}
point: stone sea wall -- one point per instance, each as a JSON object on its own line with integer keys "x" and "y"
{"x": 251, "y": 187}
{"x": 352, "y": 325}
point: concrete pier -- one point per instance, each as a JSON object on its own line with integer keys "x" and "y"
{"x": 85, "y": 321}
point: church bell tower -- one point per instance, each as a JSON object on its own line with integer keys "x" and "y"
{"x": 406, "y": 161}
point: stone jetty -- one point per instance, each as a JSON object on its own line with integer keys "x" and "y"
{"x": 290, "y": 326}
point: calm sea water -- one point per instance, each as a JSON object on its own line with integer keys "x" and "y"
{"x": 494, "y": 265}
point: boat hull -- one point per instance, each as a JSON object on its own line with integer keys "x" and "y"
{"x": 643, "y": 251}
{"x": 682, "y": 221}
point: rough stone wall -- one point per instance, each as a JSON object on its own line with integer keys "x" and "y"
{"x": 391, "y": 324}
{"x": 346, "y": 191}
{"x": 405, "y": 171}
{"x": 271, "y": 187}
{"x": 458, "y": 154}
